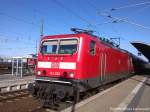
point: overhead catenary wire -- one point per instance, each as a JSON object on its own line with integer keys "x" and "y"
{"x": 129, "y": 6}
{"x": 116, "y": 19}
{"x": 97, "y": 11}
{"x": 18, "y": 19}
{"x": 22, "y": 20}
{"x": 100, "y": 24}
{"x": 11, "y": 48}
{"x": 93, "y": 6}
{"x": 72, "y": 12}
{"x": 41, "y": 13}
{"x": 147, "y": 5}
{"x": 113, "y": 20}
{"x": 140, "y": 10}
{"x": 5, "y": 39}
{"x": 17, "y": 35}
{"x": 125, "y": 20}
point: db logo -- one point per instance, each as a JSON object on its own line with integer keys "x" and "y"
{"x": 55, "y": 65}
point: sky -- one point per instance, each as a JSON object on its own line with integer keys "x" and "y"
{"x": 20, "y": 21}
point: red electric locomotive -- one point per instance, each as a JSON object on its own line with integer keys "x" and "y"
{"x": 79, "y": 60}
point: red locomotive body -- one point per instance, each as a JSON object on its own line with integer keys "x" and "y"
{"x": 80, "y": 59}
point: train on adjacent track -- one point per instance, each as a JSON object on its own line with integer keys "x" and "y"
{"x": 28, "y": 63}
{"x": 79, "y": 61}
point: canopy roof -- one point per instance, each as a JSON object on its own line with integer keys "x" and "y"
{"x": 142, "y": 48}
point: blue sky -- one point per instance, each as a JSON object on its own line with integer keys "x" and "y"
{"x": 20, "y": 21}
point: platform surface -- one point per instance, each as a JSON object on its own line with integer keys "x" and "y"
{"x": 8, "y": 79}
{"x": 131, "y": 95}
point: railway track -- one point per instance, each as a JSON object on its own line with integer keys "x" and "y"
{"x": 21, "y": 101}
{"x": 12, "y": 95}
{"x": 40, "y": 108}
{"x": 17, "y": 101}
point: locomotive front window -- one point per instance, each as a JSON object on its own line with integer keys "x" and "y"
{"x": 49, "y": 47}
{"x": 68, "y": 46}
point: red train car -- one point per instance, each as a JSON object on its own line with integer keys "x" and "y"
{"x": 81, "y": 60}
{"x": 31, "y": 64}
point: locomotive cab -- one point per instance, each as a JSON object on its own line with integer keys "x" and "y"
{"x": 58, "y": 66}
{"x": 57, "y": 58}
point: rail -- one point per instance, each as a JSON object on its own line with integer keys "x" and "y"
{"x": 15, "y": 87}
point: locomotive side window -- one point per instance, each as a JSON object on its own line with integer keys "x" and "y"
{"x": 68, "y": 46}
{"x": 92, "y": 47}
{"x": 49, "y": 47}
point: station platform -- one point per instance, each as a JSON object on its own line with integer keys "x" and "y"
{"x": 8, "y": 80}
{"x": 131, "y": 95}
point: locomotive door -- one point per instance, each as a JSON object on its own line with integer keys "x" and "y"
{"x": 103, "y": 67}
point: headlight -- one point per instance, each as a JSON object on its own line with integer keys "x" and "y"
{"x": 39, "y": 72}
{"x": 71, "y": 74}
